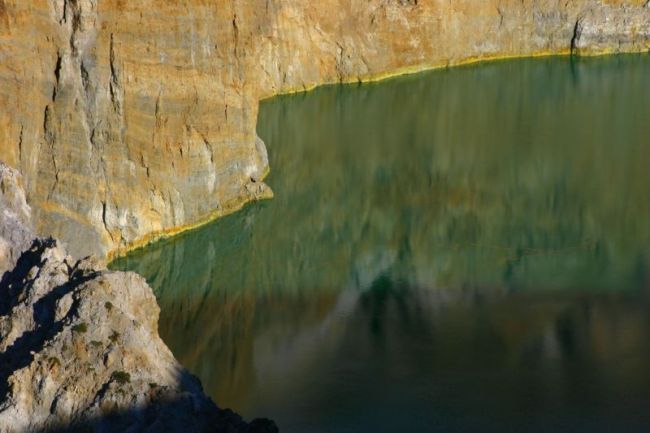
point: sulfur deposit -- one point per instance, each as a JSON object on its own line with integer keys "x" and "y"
{"x": 134, "y": 119}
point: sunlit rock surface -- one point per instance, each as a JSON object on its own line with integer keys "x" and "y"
{"x": 445, "y": 247}
{"x": 79, "y": 345}
{"x": 131, "y": 119}
{"x": 15, "y": 218}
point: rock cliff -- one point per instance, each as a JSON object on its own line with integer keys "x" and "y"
{"x": 79, "y": 345}
{"x": 133, "y": 119}
{"x": 16, "y": 232}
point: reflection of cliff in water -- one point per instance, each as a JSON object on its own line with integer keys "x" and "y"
{"x": 476, "y": 357}
{"x": 483, "y": 219}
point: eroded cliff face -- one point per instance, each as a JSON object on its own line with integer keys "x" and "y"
{"x": 16, "y": 232}
{"x": 131, "y": 119}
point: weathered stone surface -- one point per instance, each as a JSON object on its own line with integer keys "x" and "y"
{"x": 79, "y": 345}
{"x": 79, "y": 350}
{"x": 16, "y": 232}
{"x": 134, "y": 118}
{"x": 608, "y": 29}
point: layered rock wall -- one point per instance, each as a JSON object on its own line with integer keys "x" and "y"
{"x": 132, "y": 119}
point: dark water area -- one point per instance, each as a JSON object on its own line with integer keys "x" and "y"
{"x": 464, "y": 250}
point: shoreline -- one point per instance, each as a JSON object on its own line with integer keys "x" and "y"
{"x": 239, "y": 203}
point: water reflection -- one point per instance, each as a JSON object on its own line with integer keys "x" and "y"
{"x": 463, "y": 250}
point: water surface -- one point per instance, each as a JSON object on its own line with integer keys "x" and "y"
{"x": 464, "y": 250}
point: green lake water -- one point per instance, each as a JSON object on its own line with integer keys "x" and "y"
{"x": 464, "y": 250}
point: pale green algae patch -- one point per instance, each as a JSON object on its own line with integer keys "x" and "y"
{"x": 464, "y": 248}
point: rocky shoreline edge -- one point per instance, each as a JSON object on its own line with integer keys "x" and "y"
{"x": 79, "y": 344}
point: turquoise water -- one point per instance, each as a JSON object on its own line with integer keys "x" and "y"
{"x": 464, "y": 250}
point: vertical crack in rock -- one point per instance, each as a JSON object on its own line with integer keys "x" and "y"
{"x": 340, "y": 61}
{"x": 57, "y": 75}
{"x": 577, "y": 30}
{"x": 501, "y": 16}
{"x": 50, "y": 139}
{"x": 115, "y": 87}
{"x": 105, "y": 220}
{"x": 64, "y": 12}
{"x": 16, "y": 231}
{"x": 79, "y": 344}
{"x": 80, "y": 351}
{"x": 238, "y": 54}
{"x": 235, "y": 30}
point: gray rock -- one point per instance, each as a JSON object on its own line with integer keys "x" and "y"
{"x": 16, "y": 231}
{"x": 605, "y": 29}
